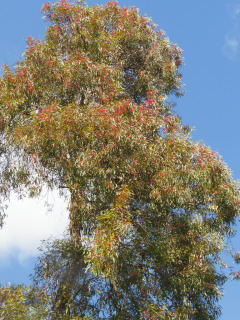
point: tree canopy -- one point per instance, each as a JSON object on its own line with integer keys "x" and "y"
{"x": 86, "y": 111}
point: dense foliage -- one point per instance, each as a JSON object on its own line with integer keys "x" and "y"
{"x": 150, "y": 209}
{"x": 23, "y": 302}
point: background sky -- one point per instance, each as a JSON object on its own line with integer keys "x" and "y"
{"x": 209, "y": 34}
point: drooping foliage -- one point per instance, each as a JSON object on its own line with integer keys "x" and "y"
{"x": 150, "y": 209}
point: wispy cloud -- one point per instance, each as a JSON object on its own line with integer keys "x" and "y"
{"x": 230, "y": 48}
{"x": 232, "y": 38}
{"x": 236, "y": 10}
{"x": 27, "y": 223}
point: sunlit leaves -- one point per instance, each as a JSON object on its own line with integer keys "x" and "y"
{"x": 23, "y": 302}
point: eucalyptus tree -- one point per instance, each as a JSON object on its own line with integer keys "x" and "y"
{"x": 85, "y": 111}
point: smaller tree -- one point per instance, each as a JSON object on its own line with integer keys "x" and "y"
{"x": 23, "y": 302}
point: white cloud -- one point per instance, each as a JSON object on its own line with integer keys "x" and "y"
{"x": 230, "y": 48}
{"x": 27, "y": 223}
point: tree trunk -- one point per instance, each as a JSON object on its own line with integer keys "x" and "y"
{"x": 64, "y": 294}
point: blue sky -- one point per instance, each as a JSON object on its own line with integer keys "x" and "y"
{"x": 209, "y": 34}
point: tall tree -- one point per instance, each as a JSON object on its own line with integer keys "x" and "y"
{"x": 149, "y": 209}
